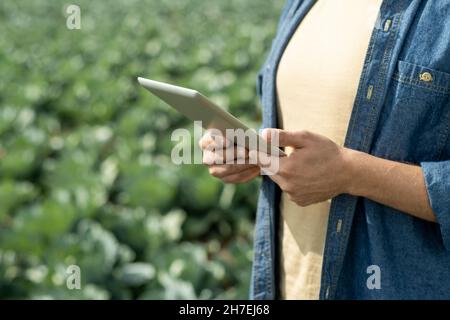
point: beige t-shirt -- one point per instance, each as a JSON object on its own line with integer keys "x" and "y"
{"x": 317, "y": 81}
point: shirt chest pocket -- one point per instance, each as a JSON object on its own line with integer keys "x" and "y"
{"x": 415, "y": 122}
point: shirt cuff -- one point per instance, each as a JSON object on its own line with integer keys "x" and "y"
{"x": 437, "y": 181}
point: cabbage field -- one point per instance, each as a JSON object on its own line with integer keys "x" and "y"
{"x": 85, "y": 172}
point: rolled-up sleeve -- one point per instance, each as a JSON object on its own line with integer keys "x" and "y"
{"x": 437, "y": 181}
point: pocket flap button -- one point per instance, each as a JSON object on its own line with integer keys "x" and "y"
{"x": 426, "y": 76}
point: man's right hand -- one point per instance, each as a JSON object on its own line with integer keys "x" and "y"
{"x": 226, "y": 161}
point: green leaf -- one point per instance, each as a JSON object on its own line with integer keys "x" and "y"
{"x": 135, "y": 274}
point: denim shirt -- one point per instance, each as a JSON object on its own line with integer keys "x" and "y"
{"x": 402, "y": 113}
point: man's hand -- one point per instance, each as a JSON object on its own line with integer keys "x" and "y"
{"x": 315, "y": 169}
{"x": 227, "y": 161}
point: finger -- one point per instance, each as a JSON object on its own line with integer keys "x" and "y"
{"x": 236, "y": 155}
{"x": 284, "y": 138}
{"x": 242, "y": 177}
{"x": 209, "y": 157}
{"x": 205, "y": 140}
{"x": 213, "y": 140}
{"x": 224, "y": 170}
{"x": 233, "y": 155}
{"x": 270, "y": 165}
{"x": 262, "y": 159}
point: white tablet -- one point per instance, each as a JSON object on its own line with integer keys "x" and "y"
{"x": 197, "y": 107}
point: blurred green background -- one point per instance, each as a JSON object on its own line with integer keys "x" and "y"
{"x": 85, "y": 170}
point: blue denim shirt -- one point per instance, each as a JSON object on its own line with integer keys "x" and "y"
{"x": 402, "y": 113}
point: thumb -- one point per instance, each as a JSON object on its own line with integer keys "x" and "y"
{"x": 284, "y": 138}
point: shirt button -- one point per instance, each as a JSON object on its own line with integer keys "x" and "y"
{"x": 426, "y": 76}
{"x": 387, "y": 25}
{"x": 339, "y": 226}
{"x": 369, "y": 92}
